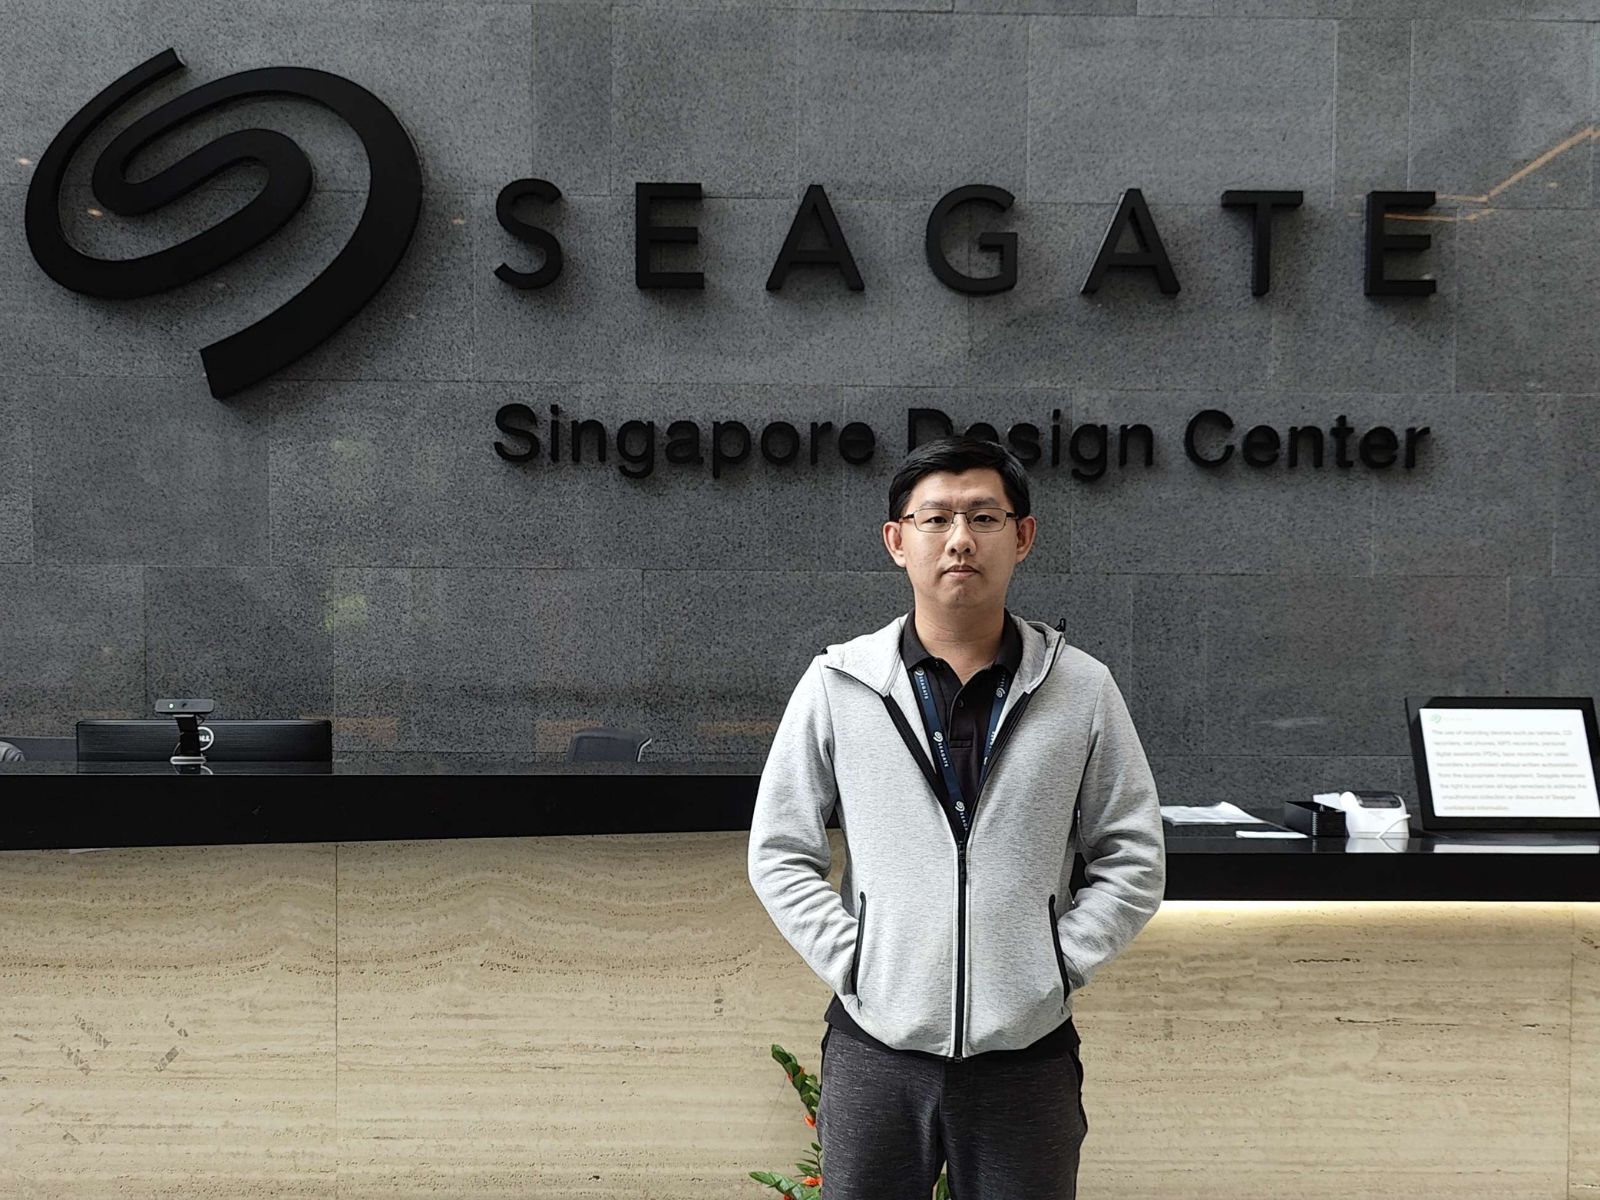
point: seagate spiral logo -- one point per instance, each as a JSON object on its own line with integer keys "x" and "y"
{"x": 394, "y": 200}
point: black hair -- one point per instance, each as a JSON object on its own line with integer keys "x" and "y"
{"x": 957, "y": 454}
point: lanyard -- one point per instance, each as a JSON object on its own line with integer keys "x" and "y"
{"x": 930, "y": 713}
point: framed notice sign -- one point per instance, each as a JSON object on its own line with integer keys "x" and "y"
{"x": 1505, "y": 762}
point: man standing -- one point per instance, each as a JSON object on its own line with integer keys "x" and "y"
{"x": 969, "y": 752}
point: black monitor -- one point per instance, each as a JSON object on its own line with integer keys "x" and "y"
{"x": 1505, "y": 762}
{"x": 233, "y": 741}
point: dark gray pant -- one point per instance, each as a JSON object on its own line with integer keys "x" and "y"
{"x": 888, "y": 1122}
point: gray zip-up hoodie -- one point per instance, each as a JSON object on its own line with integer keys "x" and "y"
{"x": 974, "y": 942}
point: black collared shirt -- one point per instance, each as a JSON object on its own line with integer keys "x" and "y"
{"x": 964, "y": 710}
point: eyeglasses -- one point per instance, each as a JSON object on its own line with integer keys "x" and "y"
{"x": 942, "y": 520}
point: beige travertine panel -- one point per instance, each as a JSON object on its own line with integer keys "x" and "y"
{"x": 592, "y": 1016}
{"x": 565, "y": 1017}
{"x": 1584, "y": 1183}
{"x": 168, "y": 1023}
{"x": 1337, "y": 1049}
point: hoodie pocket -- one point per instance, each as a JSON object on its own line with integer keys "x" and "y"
{"x": 1055, "y": 944}
{"x": 861, "y": 937}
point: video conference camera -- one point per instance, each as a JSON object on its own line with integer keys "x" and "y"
{"x": 190, "y": 748}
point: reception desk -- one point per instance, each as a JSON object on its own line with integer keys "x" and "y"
{"x": 442, "y": 977}
{"x": 424, "y": 797}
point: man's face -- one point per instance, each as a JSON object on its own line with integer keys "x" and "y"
{"x": 987, "y": 559}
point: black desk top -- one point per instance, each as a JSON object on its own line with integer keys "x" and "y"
{"x": 390, "y": 763}
{"x": 387, "y": 797}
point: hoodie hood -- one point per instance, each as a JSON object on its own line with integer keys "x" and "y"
{"x": 874, "y": 658}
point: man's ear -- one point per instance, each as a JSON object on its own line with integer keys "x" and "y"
{"x": 1031, "y": 535}
{"x": 892, "y": 531}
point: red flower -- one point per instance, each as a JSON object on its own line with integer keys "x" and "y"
{"x": 811, "y": 1121}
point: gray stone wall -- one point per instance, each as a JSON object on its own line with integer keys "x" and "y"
{"x": 342, "y": 540}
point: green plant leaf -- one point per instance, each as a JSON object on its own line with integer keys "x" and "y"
{"x": 782, "y": 1183}
{"x": 808, "y": 1087}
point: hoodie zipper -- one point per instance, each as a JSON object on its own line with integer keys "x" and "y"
{"x": 861, "y": 938}
{"x": 1000, "y": 740}
{"x": 961, "y": 860}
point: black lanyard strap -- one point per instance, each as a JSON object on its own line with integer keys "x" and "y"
{"x": 930, "y": 713}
